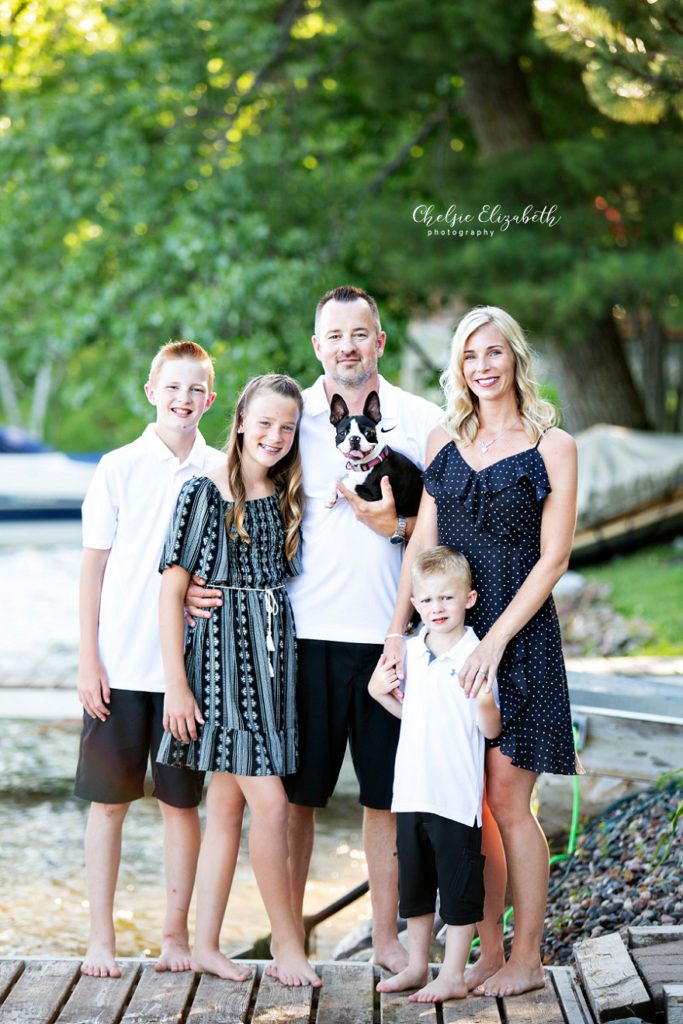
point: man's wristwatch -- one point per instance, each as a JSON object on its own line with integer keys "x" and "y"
{"x": 399, "y": 534}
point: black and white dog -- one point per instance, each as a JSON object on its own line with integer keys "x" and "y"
{"x": 368, "y": 459}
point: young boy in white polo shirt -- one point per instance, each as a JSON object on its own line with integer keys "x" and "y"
{"x": 126, "y": 513}
{"x": 439, "y": 775}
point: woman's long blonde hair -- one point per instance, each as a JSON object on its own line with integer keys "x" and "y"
{"x": 462, "y": 407}
{"x": 285, "y": 474}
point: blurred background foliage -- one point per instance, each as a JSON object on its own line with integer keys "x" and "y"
{"x": 190, "y": 168}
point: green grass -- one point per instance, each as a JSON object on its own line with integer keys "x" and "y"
{"x": 648, "y": 584}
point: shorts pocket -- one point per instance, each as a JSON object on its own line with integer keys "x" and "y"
{"x": 465, "y": 897}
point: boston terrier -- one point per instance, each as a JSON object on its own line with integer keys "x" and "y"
{"x": 368, "y": 459}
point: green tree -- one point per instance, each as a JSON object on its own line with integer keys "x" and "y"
{"x": 185, "y": 168}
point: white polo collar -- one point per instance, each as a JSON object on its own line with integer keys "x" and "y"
{"x": 317, "y": 402}
{"x": 450, "y": 655}
{"x": 155, "y": 446}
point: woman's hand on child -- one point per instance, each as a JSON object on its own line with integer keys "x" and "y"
{"x": 181, "y": 715}
{"x": 93, "y": 691}
{"x": 480, "y": 668}
{"x": 395, "y": 650}
{"x": 199, "y": 601}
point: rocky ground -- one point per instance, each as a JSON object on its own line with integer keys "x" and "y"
{"x": 626, "y": 870}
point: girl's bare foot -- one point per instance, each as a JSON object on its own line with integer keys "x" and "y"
{"x": 214, "y": 962}
{"x": 444, "y": 987}
{"x": 99, "y": 961}
{"x": 291, "y": 967}
{"x": 175, "y": 954}
{"x": 410, "y": 977}
{"x": 480, "y": 972}
{"x": 512, "y": 980}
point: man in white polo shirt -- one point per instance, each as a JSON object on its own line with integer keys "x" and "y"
{"x": 343, "y": 602}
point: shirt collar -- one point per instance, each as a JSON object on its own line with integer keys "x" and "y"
{"x": 155, "y": 446}
{"x": 317, "y": 402}
{"x": 450, "y": 655}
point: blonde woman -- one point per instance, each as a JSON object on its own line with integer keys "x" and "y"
{"x": 501, "y": 487}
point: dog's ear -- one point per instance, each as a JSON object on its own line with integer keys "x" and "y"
{"x": 371, "y": 407}
{"x": 338, "y": 409}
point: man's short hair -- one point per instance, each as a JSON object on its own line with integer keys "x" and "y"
{"x": 182, "y": 350}
{"x": 348, "y": 293}
{"x": 442, "y": 559}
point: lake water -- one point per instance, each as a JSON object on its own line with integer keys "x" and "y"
{"x": 43, "y": 906}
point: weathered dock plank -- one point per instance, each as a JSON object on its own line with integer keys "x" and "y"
{"x": 571, "y": 997}
{"x": 218, "y": 1001}
{"x": 98, "y": 1000}
{"x": 473, "y": 1010}
{"x": 650, "y": 935}
{"x": 660, "y": 964}
{"x": 276, "y": 1002}
{"x": 610, "y": 980}
{"x": 673, "y": 995}
{"x": 396, "y": 1008}
{"x": 39, "y": 992}
{"x": 347, "y": 995}
{"x": 9, "y": 972}
{"x": 159, "y": 996}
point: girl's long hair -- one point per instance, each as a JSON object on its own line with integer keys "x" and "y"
{"x": 286, "y": 474}
{"x": 462, "y": 407}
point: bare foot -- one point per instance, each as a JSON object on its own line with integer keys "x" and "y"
{"x": 393, "y": 956}
{"x": 409, "y": 977}
{"x": 484, "y": 968}
{"x": 445, "y": 986}
{"x": 214, "y": 962}
{"x": 291, "y": 967}
{"x": 175, "y": 954}
{"x": 99, "y": 961}
{"x": 512, "y": 980}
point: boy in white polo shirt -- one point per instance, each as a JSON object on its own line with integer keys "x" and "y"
{"x": 439, "y": 775}
{"x": 121, "y": 681}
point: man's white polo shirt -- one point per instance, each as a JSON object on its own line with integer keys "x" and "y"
{"x": 128, "y": 509}
{"x": 347, "y": 588}
{"x": 440, "y": 757}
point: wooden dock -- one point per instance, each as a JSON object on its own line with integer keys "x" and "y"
{"x": 607, "y": 986}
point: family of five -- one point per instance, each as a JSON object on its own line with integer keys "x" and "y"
{"x": 232, "y": 623}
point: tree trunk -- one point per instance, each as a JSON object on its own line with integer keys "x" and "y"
{"x": 595, "y": 381}
{"x": 8, "y": 396}
{"x": 498, "y": 106}
{"x": 595, "y": 378}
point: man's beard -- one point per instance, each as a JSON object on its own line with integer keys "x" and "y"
{"x": 353, "y": 382}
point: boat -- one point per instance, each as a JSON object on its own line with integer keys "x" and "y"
{"x": 630, "y": 490}
{"x": 38, "y": 483}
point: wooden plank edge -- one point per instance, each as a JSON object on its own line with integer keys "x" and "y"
{"x": 673, "y": 997}
{"x": 570, "y": 995}
{"x": 651, "y": 935}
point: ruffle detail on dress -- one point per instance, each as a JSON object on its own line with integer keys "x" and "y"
{"x": 541, "y": 747}
{"x": 476, "y": 488}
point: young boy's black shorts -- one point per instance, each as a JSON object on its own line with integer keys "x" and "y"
{"x": 333, "y": 708}
{"x": 113, "y": 755}
{"x": 438, "y": 853}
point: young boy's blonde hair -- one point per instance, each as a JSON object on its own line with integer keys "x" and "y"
{"x": 182, "y": 350}
{"x": 442, "y": 559}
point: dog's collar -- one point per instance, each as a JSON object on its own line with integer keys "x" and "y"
{"x": 365, "y": 466}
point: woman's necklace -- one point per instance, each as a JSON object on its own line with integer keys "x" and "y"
{"x": 485, "y": 445}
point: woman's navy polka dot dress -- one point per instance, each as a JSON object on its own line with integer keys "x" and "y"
{"x": 494, "y": 517}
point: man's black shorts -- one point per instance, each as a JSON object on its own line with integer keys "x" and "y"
{"x": 113, "y": 755}
{"x": 438, "y": 853}
{"x": 333, "y": 705}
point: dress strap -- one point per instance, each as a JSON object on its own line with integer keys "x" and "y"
{"x": 541, "y": 436}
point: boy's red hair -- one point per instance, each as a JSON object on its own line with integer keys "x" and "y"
{"x": 182, "y": 350}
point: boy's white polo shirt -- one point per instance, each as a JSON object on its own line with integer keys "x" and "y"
{"x": 128, "y": 509}
{"x": 440, "y": 756}
{"x": 347, "y": 588}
